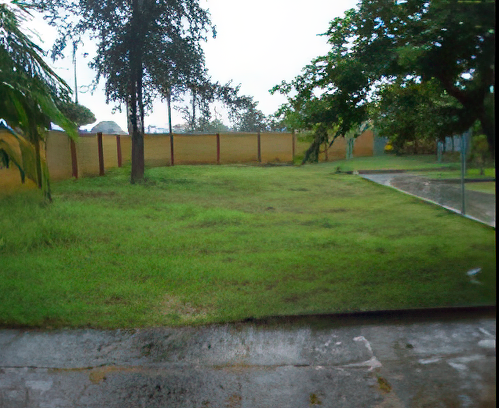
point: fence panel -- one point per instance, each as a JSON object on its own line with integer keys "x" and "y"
{"x": 336, "y": 152}
{"x": 58, "y": 155}
{"x": 88, "y": 156}
{"x": 188, "y": 149}
{"x": 238, "y": 148}
{"x": 126, "y": 149}
{"x": 110, "y": 151}
{"x": 195, "y": 149}
{"x": 364, "y": 144}
{"x": 157, "y": 150}
{"x": 277, "y": 147}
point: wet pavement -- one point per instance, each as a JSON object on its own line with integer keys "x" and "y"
{"x": 417, "y": 360}
{"x": 478, "y": 205}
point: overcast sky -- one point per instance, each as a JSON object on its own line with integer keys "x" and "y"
{"x": 259, "y": 43}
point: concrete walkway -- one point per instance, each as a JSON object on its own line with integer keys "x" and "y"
{"x": 478, "y": 205}
{"x": 408, "y": 360}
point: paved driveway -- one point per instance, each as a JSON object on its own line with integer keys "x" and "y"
{"x": 478, "y": 205}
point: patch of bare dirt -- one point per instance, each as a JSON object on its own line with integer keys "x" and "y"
{"x": 188, "y": 313}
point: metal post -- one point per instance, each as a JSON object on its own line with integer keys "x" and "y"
{"x": 74, "y": 64}
{"x": 463, "y": 171}
{"x": 100, "y": 151}
{"x": 172, "y": 159}
{"x": 118, "y": 150}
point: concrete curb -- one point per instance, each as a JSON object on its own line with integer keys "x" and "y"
{"x": 387, "y": 316}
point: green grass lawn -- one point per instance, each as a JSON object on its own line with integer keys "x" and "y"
{"x": 484, "y": 187}
{"x": 452, "y": 174}
{"x": 201, "y": 244}
{"x": 393, "y": 162}
{"x": 420, "y": 162}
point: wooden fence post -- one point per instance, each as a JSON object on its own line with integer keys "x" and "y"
{"x": 118, "y": 149}
{"x": 172, "y": 160}
{"x": 74, "y": 159}
{"x": 101, "y": 153}
{"x": 218, "y": 148}
{"x": 259, "y": 147}
{"x": 293, "y": 145}
{"x": 326, "y": 150}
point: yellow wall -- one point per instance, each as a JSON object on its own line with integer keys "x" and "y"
{"x": 126, "y": 149}
{"x": 87, "y": 153}
{"x": 276, "y": 147}
{"x": 109, "y": 151}
{"x": 364, "y": 144}
{"x": 157, "y": 150}
{"x": 188, "y": 149}
{"x": 195, "y": 149}
{"x": 238, "y": 147}
{"x": 10, "y": 181}
{"x": 59, "y": 155}
{"x": 337, "y": 151}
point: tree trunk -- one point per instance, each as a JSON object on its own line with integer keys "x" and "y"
{"x": 137, "y": 173}
{"x": 320, "y": 137}
{"x": 136, "y": 104}
{"x": 193, "y": 124}
{"x": 169, "y": 106}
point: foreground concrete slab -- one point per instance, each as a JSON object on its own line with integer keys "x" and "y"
{"x": 331, "y": 361}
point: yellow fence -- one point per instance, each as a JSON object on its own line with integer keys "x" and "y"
{"x": 66, "y": 159}
{"x": 363, "y": 146}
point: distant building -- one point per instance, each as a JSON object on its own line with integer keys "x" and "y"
{"x": 180, "y": 128}
{"x": 108, "y": 127}
{"x": 151, "y": 129}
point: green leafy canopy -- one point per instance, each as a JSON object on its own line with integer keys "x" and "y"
{"x": 442, "y": 50}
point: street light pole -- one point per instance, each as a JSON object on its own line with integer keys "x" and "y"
{"x": 74, "y": 64}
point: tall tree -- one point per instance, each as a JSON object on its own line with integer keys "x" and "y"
{"x": 251, "y": 119}
{"x": 414, "y": 112}
{"x": 179, "y": 64}
{"x": 204, "y": 93}
{"x": 385, "y": 41}
{"x": 130, "y": 36}
{"x": 77, "y": 113}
